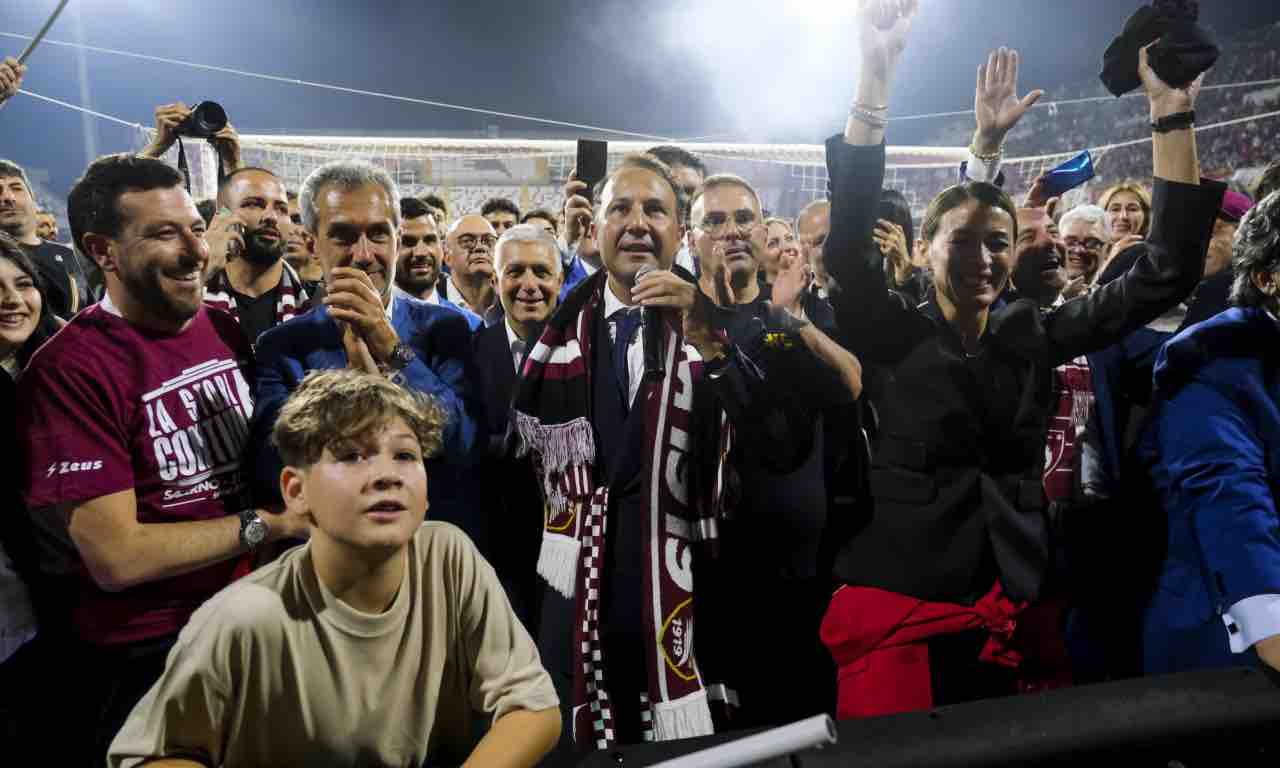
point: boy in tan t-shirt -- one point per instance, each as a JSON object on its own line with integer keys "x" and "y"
{"x": 373, "y": 643}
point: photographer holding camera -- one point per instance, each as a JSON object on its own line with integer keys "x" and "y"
{"x": 174, "y": 120}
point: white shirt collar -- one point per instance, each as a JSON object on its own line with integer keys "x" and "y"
{"x": 513, "y": 339}
{"x": 391, "y": 302}
{"x": 399, "y": 292}
{"x": 455, "y": 295}
{"x": 611, "y": 301}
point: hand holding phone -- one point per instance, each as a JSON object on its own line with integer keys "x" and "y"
{"x": 1068, "y": 175}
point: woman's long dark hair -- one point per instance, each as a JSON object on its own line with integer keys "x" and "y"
{"x": 48, "y": 323}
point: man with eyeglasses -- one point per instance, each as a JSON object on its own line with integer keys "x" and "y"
{"x": 1084, "y": 234}
{"x": 774, "y": 542}
{"x": 469, "y": 254}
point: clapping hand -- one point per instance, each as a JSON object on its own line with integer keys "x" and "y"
{"x": 352, "y": 299}
{"x": 794, "y": 276}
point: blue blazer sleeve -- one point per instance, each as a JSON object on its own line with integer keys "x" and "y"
{"x": 445, "y": 369}
{"x": 277, "y": 374}
{"x": 1217, "y": 483}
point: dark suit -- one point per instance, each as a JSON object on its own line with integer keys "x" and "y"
{"x": 443, "y": 368}
{"x": 511, "y": 496}
{"x": 956, "y": 475}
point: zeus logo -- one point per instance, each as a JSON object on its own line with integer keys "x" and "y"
{"x": 67, "y": 467}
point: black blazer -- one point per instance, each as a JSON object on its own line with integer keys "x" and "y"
{"x": 956, "y": 470}
{"x": 511, "y": 502}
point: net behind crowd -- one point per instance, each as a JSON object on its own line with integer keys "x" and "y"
{"x": 531, "y": 172}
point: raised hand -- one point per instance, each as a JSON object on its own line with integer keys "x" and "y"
{"x": 892, "y": 242}
{"x": 883, "y": 32}
{"x": 884, "y": 28}
{"x": 577, "y": 209}
{"x": 11, "y": 73}
{"x": 995, "y": 99}
{"x": 225, "y": 238}
{"x": 168, "y": 118}
{"x": 227, "y": 144}
{"x": 1165, "y": 99}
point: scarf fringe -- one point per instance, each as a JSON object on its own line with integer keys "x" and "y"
{"x": 560, "y": 445}
{"x": 558, "y": 562}
{"x": 683, "y": 718}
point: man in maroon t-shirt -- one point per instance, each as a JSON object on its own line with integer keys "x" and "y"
{"x": 134, "y": 418}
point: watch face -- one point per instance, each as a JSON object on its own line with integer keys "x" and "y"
{"x": 255, "y": 531}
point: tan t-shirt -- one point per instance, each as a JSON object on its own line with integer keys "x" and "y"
{"x": 274, "y": 670}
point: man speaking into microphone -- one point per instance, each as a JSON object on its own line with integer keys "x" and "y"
{"x": 632, "y": 498}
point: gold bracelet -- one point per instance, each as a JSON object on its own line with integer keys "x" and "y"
{"x": 988, "y": 158}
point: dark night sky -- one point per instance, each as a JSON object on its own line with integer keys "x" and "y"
{"x": 752, "y": 69}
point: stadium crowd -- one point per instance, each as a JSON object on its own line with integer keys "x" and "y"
{"x": 335, "y": 475}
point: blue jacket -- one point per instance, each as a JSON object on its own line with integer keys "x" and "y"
{"x": 441, "y": 340}
{"x": 1213, "y": 449}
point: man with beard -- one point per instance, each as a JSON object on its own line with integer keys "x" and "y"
{"x": 133, "y": 420}
{"x": 812, "y": 227}
{"x": 469, "y": 254}
{"x": 629, "y": 453}
{"x": 529, "y": 278}
{"x": 46, "y": 226}
{"x": 773, "y": 544}
{"x": 418, "y": 262}
{"x": 352, "y": 211}
{"x": 66, "y": 278}
{"x": 300, "y": 251}
{"x": 259, "y": 288}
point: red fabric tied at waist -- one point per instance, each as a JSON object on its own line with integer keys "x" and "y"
{"x": 877, "y": 640}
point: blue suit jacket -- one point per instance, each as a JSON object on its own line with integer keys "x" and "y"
{"x": 440, "y": 337}
{"x": 1213, "y": 448}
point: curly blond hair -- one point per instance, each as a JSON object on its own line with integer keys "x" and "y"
{"x": 343, "y": 405}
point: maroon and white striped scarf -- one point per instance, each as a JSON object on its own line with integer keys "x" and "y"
{"x": 552, "y": 417}
{"x": 292, "y": 299}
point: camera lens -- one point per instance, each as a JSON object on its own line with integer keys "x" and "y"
{"x": 207, "y": 118}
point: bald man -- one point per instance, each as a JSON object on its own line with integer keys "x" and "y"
{"x": 468, "y": 252}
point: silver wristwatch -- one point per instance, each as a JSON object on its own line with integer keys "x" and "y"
{"x": 253, "y": 529}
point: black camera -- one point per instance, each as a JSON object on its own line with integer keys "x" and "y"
{"x": 206, "y": 119}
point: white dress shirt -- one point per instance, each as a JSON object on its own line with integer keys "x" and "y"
{"x": 635, "y": 352}
{"x": 516, "y": 344}
{"x": 456, "y": 296}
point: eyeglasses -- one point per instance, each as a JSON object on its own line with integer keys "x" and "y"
{"x": 1090, "y": 244}
{"x": 471, "y": 242}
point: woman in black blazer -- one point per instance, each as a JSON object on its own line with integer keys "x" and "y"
{"x": 956, "y": 541}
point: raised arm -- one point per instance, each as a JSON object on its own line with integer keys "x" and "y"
{"x": 865, "y": 311}
{"x": 1171, "y": 263}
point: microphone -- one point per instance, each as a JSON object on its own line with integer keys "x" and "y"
{"x": 652, "y": 324}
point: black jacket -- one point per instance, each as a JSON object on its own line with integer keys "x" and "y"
{"x": 956, "y": 470}
{"x": 510, "y": 499}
